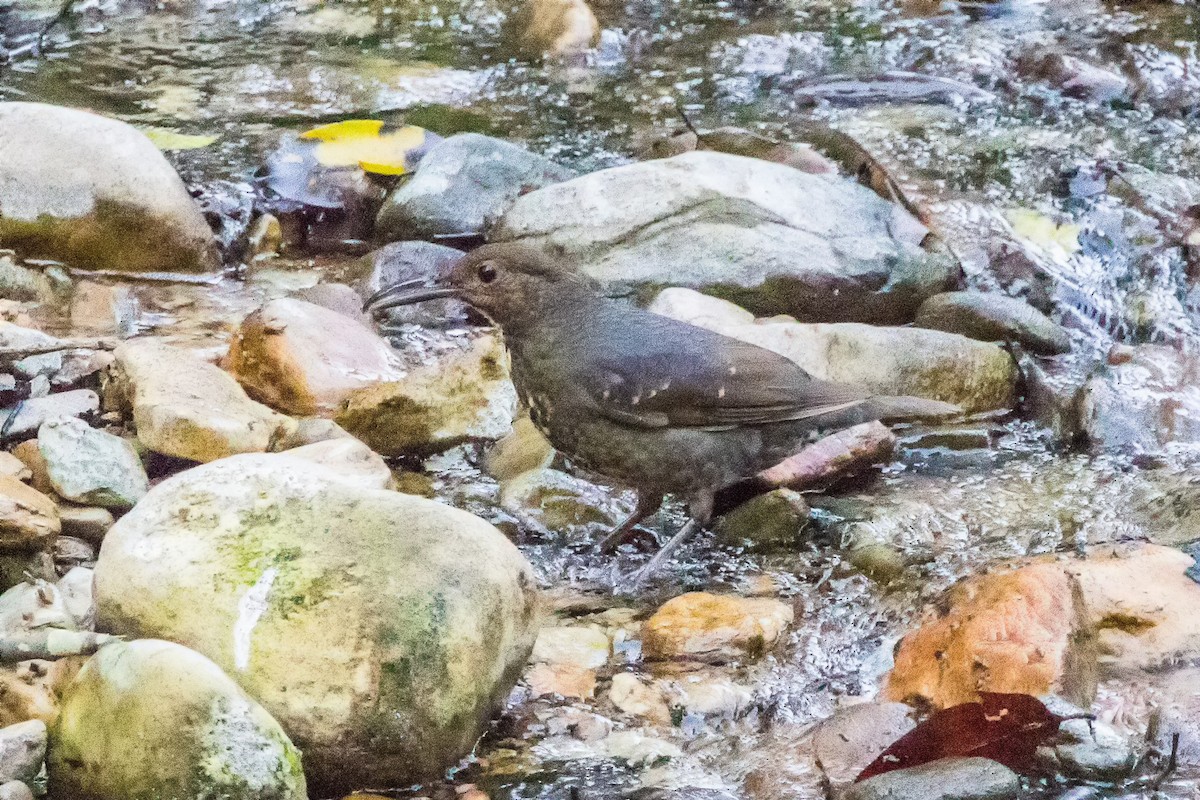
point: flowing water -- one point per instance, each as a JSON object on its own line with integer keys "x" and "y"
{"x": 1000, "y": 159}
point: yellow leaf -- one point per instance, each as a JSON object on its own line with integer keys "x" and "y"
{"x": 367, "y": 144}
{"x": 169, "y": 139}
{"x": 1042, "y": 231}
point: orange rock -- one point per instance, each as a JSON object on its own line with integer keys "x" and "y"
{"x": 1053, "y": 625}
{"x": 711, "y": 627}
{"x": 301, "y": 358}
{"x": 1004, "y": 632}
{"x": 568, "y": 680}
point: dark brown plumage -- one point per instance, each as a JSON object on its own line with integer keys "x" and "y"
{"x": 659, "y": 405}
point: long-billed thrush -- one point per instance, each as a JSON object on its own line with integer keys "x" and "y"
{"x": 659, "y": 405}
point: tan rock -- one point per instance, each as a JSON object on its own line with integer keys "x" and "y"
{"x": 96, "y": 193}
{"x": 568, "y": 680}
{"x": 28, "y": 518}
{"x": 101, "y": 308}
{"x": 853, "y": 737}
{"x": 1053, "y": 626}
{"x": 465, "y": 395}
{"x": 350, "y": 459}
{"x": 523, "y": 450}
{"x": 302, "y": 358}
{"x": 631, "y": 695}
{"x": 88, "y": 523}
{"x": 13, "y": 467}
{"x": 29, "y": 454}
{"x": 555, "y": 27}
{"x": 710, "y": 627}
{"x": 186, "y": 407}
{"x": 582, "y": 645}
{"x": 30, "y": 689}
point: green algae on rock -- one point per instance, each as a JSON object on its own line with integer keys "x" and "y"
{"x": 153, "y": 720}
{"x": 95, "y": 193}
{"x": 381, "y": 629}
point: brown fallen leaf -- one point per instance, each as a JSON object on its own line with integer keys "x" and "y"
{"x": 1007, "y": 728}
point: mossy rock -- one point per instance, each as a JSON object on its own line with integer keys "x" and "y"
{"x": 152, "y": 720}
{"x": 382, "y": 630}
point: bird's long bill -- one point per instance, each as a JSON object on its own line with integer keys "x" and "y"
{"x": 404, "y": 294}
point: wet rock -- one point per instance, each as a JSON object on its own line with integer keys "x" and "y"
{"x": 986, "y": 637}
{"x": 303, "y": 359}
{"x": 522, "y": 450}
{"x": 1143, "y": 404}
{"x": 70, "y": 552}
{"x": 30, "y": 690}
{"x": 89, "y": 523}
{"x": 1091, "y": 750}
{"x": 1052, "y": 626}
{"x": 976, "y": 376}
{"x": 716, "y": 628}
{"x": 731, "y": 226}
{"x": 944, "y": 779}
{"x": 15, "y": 790}
{"x": 565, "y": 680}
{"x": 1074, "y": 76}
{"x": 13, "y": 467}
{"x": 186, "y": 407}
{"x": 310, "y": 430}
{"x": 354, "y": 462}
{"x": 582, "y": 646}
{"x": 707, "y": 695}
{"x": 30, "y": 414}
{"x": 32, "y": 605}
{"x": 994, "y": 318}
{"x": 103, "y": 309}
{"x": 28, "y": 518}
{"x": 639, "y": 747}
{"x": 187, "y": 731}
{"x": 75, "y": 588}
{"x": 771, "y": 520}
{"x": 556, "y": 501}
{"x": 463, "y": 185}
{"x": 75, "y": 184}
{"x": 553, "y": 28}
{"x": 416, "y": 618}
{"x": 336, "y": 297}
{"x": 22, "y": 750}
{"x": 852, "y": 738}
{"x": 90, "y": 466}
{"x": 17, "y": 336}
{"x": 630, "y": 695}
{"x": 408, "y": 261}
{"x": 465, "y": 395}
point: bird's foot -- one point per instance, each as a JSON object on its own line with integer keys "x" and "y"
{"x": 636, "y": 579}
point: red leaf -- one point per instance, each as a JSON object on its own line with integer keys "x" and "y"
{"x": 1003, "y": 727}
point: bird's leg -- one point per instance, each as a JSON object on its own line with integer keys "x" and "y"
{"x": 647, "y": 504}
{"x": 700, "y": 510}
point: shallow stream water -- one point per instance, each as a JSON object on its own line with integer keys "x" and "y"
{"x": 1011, "y": 161}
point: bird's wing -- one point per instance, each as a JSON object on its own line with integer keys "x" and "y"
{"x": 709, "y": 381}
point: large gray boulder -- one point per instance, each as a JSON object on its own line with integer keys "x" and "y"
{"x": 94, "y": 192}
{"x": 382, "y": 630}
{"x": 769, "y": 237}
{"x": 151, "y": 720}
{"x": 463, "y": 185}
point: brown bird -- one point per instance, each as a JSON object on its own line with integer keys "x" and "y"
{"x": 661, "y": 406}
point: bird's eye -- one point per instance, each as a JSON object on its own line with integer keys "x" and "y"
{"x": 487, "y": 272}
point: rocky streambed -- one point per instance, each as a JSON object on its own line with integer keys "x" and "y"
{"x": 257, "y": 544}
